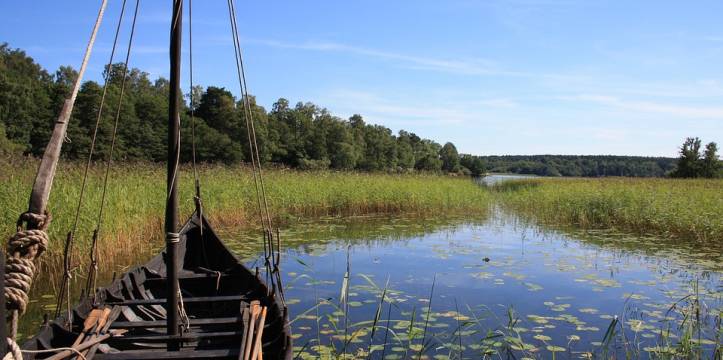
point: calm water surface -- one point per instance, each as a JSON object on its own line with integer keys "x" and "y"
{"x": 501, "y": 288}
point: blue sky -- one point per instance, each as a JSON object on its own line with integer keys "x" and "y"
{"x": 494, "y": 77}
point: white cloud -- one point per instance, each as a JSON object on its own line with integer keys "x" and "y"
{"x": 703, "y": 112}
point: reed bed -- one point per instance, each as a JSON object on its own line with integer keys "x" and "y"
{"x": 135, "y": 200}
{"x": 677, "y": 208}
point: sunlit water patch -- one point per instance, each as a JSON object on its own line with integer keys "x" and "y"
{"x": 500, "y": 288}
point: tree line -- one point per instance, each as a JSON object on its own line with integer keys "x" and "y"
{"x": 693, "y": 164}
{"x": 574, "y": 165}
{"x": 303, "y": 135}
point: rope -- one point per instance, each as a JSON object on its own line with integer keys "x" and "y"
{"x": 16, "y": 353}
{"x": 91, "y": 286}
{"x": 186, "y": 323}
{"x": 24, "y": 247}
{"x": 190, "y": 94}
{"x": 65, "y": 283}
{"x": 272, "y": 256}
{"x": 197, "y": 179}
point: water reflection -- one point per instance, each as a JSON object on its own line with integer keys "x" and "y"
{"x": 539, "y": 290}
{"x": 502, "y": 286}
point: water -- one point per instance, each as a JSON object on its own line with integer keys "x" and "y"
{"x": 530, "y": 290}
{"x": 501, "y": 287}
{"x": 496, "y": 178}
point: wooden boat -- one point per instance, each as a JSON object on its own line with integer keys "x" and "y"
{"x": 215, "y": 289}
{"x": 193, "y": 300}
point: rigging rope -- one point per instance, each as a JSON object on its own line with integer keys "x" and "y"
{"x": 64, "y": 288}
{"x": 272, "y": 252}
{"x": 192, "y": 105}
{"x": 197, "y": 180}
{"x": 66, "y": 283}
{"x": 93, "y": 270}
{"x": 28, "y": 244}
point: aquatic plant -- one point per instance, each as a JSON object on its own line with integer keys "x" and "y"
{"x": 135, "y": 199}
{"x": 691, "y": 209}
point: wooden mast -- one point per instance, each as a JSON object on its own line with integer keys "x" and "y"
{"x": 171, "y": 221}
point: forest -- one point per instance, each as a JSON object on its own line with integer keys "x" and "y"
{"x": 303, "y": 135}
{"x": 588, "y": 166}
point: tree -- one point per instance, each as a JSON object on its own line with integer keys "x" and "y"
{"x": 426, "y": 155}
{"x": 25, "y": 101}
{"x": 689, "y": 161}
{"x": 711, "y": 164}
{"x": 7, "y": 147}
{"x": 692, "y": 165}
{"x": 218, "y": 108}
{"x": 474, "y": 164}
{"x": 305, "y": 136}
{"x": 450, "y": 158}
{"x": 405, "y": 155}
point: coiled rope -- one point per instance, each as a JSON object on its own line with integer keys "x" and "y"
{"x": 23, "y": 247}
{"x": 29, "y": 242}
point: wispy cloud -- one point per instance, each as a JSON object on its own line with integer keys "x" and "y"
{"x": 384, "y": 110}
{"x": 700, "y": 112}
{"x": 468, "y": 67}
{"x": 461, "y": 66}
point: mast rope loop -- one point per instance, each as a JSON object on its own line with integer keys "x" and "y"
{"x": 185, "y": 322}
{"x": 14, "y": 352}
{"x": 23, "y": 248}
{"x": 172, "y": 237}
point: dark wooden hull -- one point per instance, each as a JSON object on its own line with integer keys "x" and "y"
{"x": 215, "y": 286}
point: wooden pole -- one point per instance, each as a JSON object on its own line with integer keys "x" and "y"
{"x": 174, "y": 142}
{"x": 49, "y": 163}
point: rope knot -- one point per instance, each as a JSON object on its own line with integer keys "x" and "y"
{"x": 39, "y": 221}
{"x": 23, "y": 248}
{"x": 29, "y": 243}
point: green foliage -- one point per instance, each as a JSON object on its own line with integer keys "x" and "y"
{"x": 450, "y": 157}
{"x": 692, "y": 165}
{"x": 671, "y": 207}
{"x": 711, "y": 165}
{"x": 26, "y": 107}
{"x": 576, "y": 165}
{"x": 474, "y": 164}
{"x": 304, "y": 136}
{"x": 7, "y": 147}
{"x": 136, "y": 193}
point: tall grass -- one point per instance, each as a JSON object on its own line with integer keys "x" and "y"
{"x": 135, "y": 203}
{"x": 668, "y": 207}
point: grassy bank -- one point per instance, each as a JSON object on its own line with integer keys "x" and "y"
{"x": 667, "y": 207}
{"x": 135, "y": 202}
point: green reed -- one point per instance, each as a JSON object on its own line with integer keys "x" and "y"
{"x": 668, "y": 207}
{"x": 135, "y": 202}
